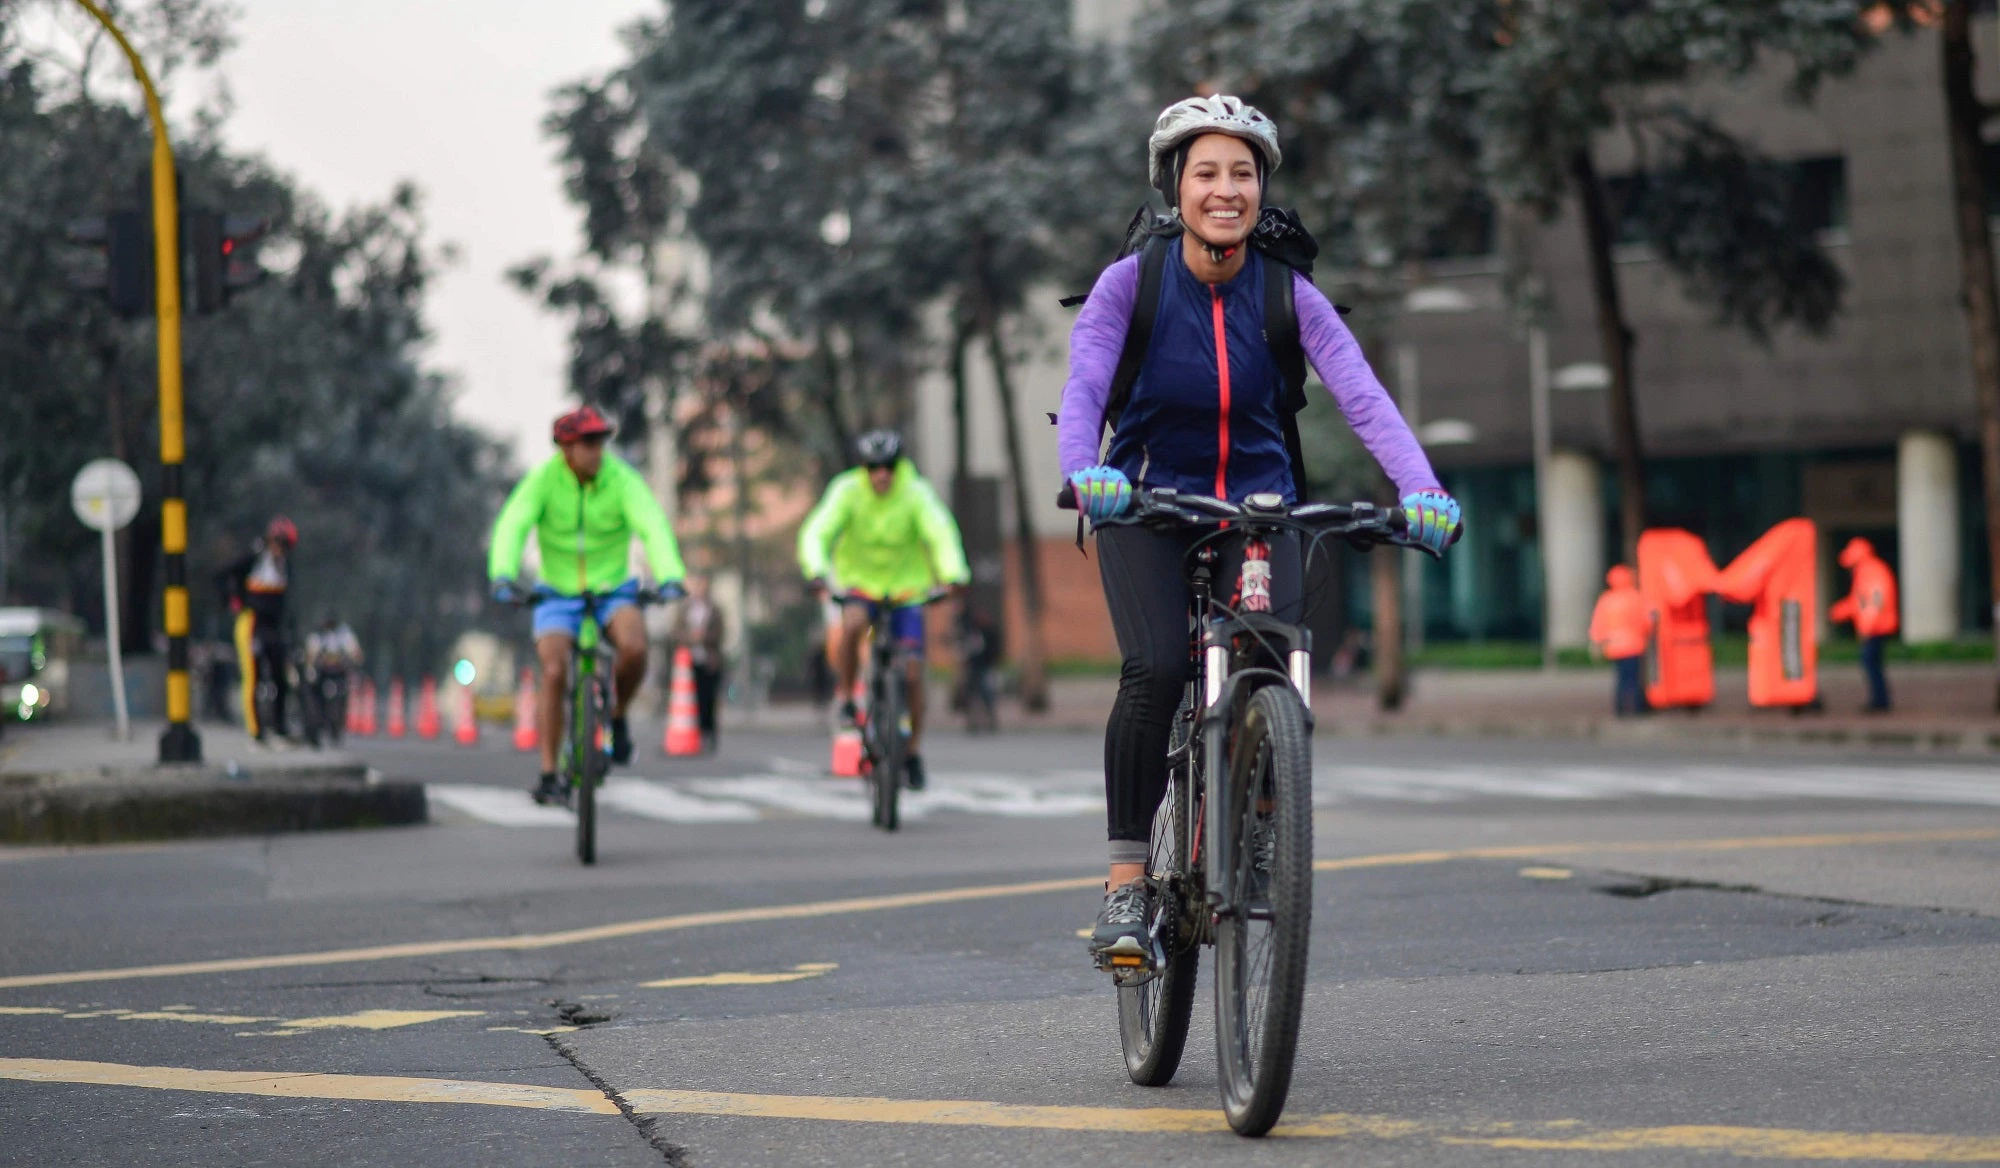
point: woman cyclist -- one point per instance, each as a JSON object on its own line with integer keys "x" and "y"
{"x": 1203, "y": 416}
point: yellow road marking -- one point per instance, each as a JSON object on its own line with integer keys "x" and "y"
{"x": 796, "y": 973}
{"x": 1735, "y": 844}
{"x": 1557, "y": 1135}
{"x": 364, "y": 1020}
{"x": 826, "y": 908}
{"x": 1546, "y": 873}
{"x": 377, "y": 1019}
{"x": 1761, "y": 1143}
{"x": 384, "y": 1088}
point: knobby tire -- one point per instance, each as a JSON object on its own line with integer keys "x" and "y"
{"x": 1260, "y": 964}
{"x": 1153, "y": 1016}
{"x": 589, "y": 763}
{"x": 885, "y": 722}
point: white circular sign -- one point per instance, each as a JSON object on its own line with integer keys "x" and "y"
{"x": 105, "y": 494}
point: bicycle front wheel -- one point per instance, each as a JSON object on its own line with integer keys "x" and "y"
{"x": 1153, "y": 1016}
{"x": 885, "y": 723}
{"x": 1260, "y": 942}
{"x": 589, "y": 763}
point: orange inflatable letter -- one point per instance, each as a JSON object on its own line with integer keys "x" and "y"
{"x": 1776, "y": 574}
{"x": 1675, "y": 577}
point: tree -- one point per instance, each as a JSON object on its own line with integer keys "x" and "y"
{"x": 304, "y": 396}
{"x": 1425, "y": 101}
{"x": 1965, "y": 118}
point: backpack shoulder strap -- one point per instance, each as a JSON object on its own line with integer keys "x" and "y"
{"x": 1281, "y": 334}
{"x": 1281, "y": 330}
{"x": 1139, "y": 333}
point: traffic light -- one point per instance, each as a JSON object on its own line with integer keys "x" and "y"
{"x": 225, "y": 255}
{"x": 123, "y": 267}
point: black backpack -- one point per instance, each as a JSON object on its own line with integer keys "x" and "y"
{"x": 1279, "y": 242}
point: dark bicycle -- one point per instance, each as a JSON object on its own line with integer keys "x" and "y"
{"x": 585, "y": 754}
{"x": 1230, "y": 863}
{"x": 885, "y": 727}
{"x": 323, "y": 699}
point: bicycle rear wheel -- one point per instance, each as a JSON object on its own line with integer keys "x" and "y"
{"x": 1260, "y": 945}
{"x": 1153, "y": 1016}
{"x": 885, "y": 724}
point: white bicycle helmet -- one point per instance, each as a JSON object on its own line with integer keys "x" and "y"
{"x": 1192, "y": 117}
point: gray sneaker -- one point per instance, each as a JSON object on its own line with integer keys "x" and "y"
{"x": 1120, "y": 940}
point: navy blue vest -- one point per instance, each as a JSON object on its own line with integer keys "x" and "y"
{"x": 1173, "y": 432}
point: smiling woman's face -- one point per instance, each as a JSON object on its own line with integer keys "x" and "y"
{"x": 1220, "y": 195}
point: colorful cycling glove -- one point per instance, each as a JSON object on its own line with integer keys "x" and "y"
{"x": 1102, "y": 492}
{"x": 1433, "y": 518}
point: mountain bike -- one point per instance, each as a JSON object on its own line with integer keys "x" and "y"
{"x": 584, "y": 757}
{"x": 885, "y": 729}
{"x": 1230, "y": 863}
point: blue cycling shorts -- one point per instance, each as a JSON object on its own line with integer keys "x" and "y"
{"x": 906, "y": 622}
{"x": 564, "y": 614}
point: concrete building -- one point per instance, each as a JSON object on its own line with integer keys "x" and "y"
{"x": 1869, "y": 430}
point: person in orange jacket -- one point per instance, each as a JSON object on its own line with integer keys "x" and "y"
{"x": 1619, "y": 629}
{"x": 1871, "y": 605}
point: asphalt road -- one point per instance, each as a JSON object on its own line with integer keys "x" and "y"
{"x": 1523, "y": 954}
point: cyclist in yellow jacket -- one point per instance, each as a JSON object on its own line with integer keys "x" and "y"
{"x": 881, "y": 535}
{"x": 584, "y": 506}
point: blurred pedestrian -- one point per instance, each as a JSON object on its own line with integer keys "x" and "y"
{"x": 255, "y": 587}
{"x": 1620, "y": 626}
{"x": 1871, "y": 605}
{"x": 979, "y": 654}
{"x": 697, "y": 628}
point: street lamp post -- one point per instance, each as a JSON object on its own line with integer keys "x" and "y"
{"x": 179, "y": 742}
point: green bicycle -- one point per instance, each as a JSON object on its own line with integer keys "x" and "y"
{"x": 585, "y": 755}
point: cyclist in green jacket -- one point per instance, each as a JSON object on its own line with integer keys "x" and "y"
{"x": 882, "y": 536}
{"x": 584, "y": 506}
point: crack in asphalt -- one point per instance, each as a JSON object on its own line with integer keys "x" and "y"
{"x": 1639, "y": 886}
{"x": 649, "y": 1126}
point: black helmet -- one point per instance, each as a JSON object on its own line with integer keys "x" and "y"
{"x": 878, "y": 448}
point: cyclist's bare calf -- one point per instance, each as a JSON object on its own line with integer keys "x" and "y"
{"x": 627, "y": 633}
{"x": 854, "y": 625}
{"x": 626, "y": 630}
{"x": 553, "y": 651}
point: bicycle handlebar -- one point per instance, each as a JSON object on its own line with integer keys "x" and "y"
{"x": 928, "y": 598}
{"x": 665, "y": 593}
{"x": 1364, "y": 521}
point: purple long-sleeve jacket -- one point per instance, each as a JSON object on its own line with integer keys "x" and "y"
{"x": 1098, "y": 337}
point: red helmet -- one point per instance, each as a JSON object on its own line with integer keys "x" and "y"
{"x": 581, "y": 422}
{"x": 282, "y": 528}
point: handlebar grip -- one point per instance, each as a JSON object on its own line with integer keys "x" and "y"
{"x": 1066, "y": 498}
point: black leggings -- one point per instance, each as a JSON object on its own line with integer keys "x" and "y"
{"x": 1146, "y": 588}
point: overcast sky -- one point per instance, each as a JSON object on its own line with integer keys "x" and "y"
{"x": 354, "y": 95}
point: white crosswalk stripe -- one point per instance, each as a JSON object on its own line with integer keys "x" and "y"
{"x": 748, "y": 798}
{"x": 1334, "y": 783}
{"x": 791, "y": 792}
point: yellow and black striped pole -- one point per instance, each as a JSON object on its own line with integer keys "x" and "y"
{"x": 179, "y": 742}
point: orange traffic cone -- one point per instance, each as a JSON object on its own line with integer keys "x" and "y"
{"x": 466, "y": 732}
{"x": 354, "y": 707}
{"x": 428, "y": 721}
{"x": 526, "y": 737}
{"x": 683, "y": 720}
{"x": 398, "y": 713}
{"x": 847, "y": 751}
{"x": 368, "y": 723}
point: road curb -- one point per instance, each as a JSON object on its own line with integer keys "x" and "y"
{"x": 107, "y": 806}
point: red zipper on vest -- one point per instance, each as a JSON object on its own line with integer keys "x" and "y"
{"x": 1222, "y": 382}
